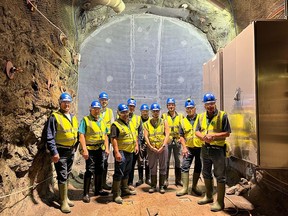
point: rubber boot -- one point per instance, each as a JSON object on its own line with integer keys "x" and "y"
{"x": 104, "y": 177}
{"x": 63, "y": 193}
{"x": 208, "y": 198}
{"x": 153, "y": 184}
{"x": 147, "y": 175}
{"x": 140, "y": 174}
{"x": 117, "y": 192}
{"x": 70, "y": 203}
{"x": 124, "y": 188}
{"x": 185, "y": 180}
{"x": 219, "y": 204}
{"x": 178, "y": 177}
{"x": 161, "y": 184}
{"x": 166, "y": 183}
{"x": 87, "y": 181}
{"x": 195, "y": 189}
{"x": 98, "y": 186}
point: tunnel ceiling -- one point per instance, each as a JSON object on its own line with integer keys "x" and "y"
{"x": 145, "y": 56}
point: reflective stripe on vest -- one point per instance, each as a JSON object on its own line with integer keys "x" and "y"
{"x": 174, "y": 125}
{"x": 107, "y": 117}
{"x": 127, "y": 136}
{"x": 156, "y": 135}
{"x": 189, "y": 133}
{"x": 215, "y": 126}
{"x": 66, "y": 134}
{"x": 95, "y": 135}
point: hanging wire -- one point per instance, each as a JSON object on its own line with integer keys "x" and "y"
{"x": 30, "y": 187}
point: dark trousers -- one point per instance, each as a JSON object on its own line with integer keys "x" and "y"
{"x": 131, "y": 174}
{"x": 64, "y": 166}
{"x": 95, "y": 162}
{"x": 187, "y": 161}
{"x": 143, "y": 157}
{"x": 123, "y": 168}
{"x": 214, "y": 155}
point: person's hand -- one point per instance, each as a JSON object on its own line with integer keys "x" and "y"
{"x": 208, "y": 138}
{"x": 55, "y": 158}
{"x": 160, "y": 150}
{"x": 136, "y": 149}
{"x": 118, "y": 157}
{"x": 107, "y": 152}
{"x": 85, "y": 154}
{"x": 185, "y": 152}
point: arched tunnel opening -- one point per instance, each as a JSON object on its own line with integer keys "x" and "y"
{"x": 148, "y": 57}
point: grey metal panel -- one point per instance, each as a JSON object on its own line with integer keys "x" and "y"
{"x": 240, "y": 96}
{"x": 212, "y": 77}
{"x": 272, "y": 71}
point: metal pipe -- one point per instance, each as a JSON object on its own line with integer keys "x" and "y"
{"x": 117, "y": 5}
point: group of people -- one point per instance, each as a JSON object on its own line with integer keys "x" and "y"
{"x": 147, "y": 140}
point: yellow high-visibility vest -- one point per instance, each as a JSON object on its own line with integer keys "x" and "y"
{"x": 156, "y": 135}
{"x": 189, "y": 133}
{"x": 95, "y": 134}
{"x": 107, "y": 117}
{"x": 135, "y": 121}
{"x": 215, "y": 126}
{"x": 66, "y": 134}
{"x": 174, "y": 125}
{"x": 127, "y": 136}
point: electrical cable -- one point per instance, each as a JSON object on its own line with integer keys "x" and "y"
{"x": 32, "y": 186}
{"x": 234, "y": 18}
{"x": 45, "y": 17}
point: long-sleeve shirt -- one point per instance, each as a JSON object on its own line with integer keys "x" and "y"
{"x": 51, "y": 134}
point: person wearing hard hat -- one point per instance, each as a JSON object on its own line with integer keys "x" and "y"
{"x": 62, "y": 141}
{"x": 94, "y": 142}
{"x": 143, "y": 156}
{"x": 173, "y": 119}
{"x": 213, "y": 128}
{"x": 156, "y": 133}
{"x": 135, "y": 121}
{"x": 107, "y": 115}
{"x": 191, "y": 148}
{"x": 124, "y": 141}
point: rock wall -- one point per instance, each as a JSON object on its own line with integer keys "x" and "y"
{"x": 44, "y": 68}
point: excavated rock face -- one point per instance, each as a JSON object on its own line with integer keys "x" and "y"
{"x": 44, "y": 50}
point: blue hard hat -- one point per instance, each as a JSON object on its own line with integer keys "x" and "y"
{"x": 144, "y": 107}
{"x": 131, "y": 102}
{"x": 65, "y": 97}
{"x": 155, "y": 106}
{"x": 95, "y": 104}
{"x": 170, "y": 101}
{"x": 209, "y": 98}
{"x": 122, "y": 107}
{"x": 189, "y": 103}
{"x": 103, "y": 95}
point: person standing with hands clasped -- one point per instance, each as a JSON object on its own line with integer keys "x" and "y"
{"x": 156, "y": 133}
{"x": 191, "y": 148}
{"x": 94, "y": 141}
{"x": 213, "y": 128}
{"x": 124, "y": 141}
{"x": 62, "y": 127}
{"x": 173, "y": 119}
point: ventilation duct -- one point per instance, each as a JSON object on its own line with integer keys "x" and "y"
{"x": 117, "y": 5}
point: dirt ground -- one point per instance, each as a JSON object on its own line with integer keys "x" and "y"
{"x": 143, "y": 203}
